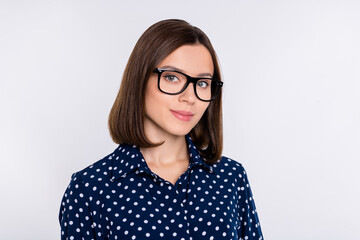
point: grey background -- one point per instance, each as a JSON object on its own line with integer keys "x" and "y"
{"x": 291, "y": 104}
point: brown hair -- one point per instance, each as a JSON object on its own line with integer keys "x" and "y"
{"x": 127, "y": 114}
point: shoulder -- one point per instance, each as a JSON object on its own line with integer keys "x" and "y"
{"x": 97, "y": 171}
{"x": 230, "y": 170}
{"x": 124, "y": 159}
{"x": 229, "y": 166}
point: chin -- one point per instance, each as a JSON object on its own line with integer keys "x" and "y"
{"x": 181, "y": 131}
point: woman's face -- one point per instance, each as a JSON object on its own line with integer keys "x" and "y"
{"x": 176, "y": 115}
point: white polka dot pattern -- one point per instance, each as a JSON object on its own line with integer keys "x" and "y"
{"x": 119, "y": 197}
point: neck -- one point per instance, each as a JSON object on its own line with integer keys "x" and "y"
{"x": 173, "y": 149}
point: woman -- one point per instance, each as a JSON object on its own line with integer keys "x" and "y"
{"x": 167, "y": 179}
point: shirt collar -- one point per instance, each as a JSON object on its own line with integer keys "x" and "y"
{"x": 195, "y": 157}
{"x": 127, "y": 158}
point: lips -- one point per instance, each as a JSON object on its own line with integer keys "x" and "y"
{"x": 182, "y": 115}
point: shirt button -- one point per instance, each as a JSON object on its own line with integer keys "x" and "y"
{"x": 179, "y": 186}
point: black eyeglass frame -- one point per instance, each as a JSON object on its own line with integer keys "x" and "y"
{"x": 190, "y": 79}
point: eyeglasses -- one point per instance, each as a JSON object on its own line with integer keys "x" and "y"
{"x": 174, "y": 82}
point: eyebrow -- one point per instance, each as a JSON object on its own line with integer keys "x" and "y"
{"x": 179, "y": 70}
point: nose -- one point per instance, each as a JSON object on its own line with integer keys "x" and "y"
{"x": 188, "y": 95}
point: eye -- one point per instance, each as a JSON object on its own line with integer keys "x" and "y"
{"x": 203, "y": 83}
{"x": 171, "y": 78}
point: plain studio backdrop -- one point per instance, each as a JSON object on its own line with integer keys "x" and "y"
{"x": 291, "y": 104}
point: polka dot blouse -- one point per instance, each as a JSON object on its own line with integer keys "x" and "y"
{"x": 119, "y": 197}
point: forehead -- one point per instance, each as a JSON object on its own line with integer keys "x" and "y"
{"x": 191, "y": 59}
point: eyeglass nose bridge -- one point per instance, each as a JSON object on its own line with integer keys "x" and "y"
{"x": 188, "y": 81}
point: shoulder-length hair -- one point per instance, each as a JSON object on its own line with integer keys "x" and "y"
{"x": 126, "y": 119}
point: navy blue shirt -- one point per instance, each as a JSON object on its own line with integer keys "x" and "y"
{"x": 119, "y": 197}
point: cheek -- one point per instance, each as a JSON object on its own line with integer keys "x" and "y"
{"x": 202, "y": 109}
{"x": 151, "y": 94}
{"x": 204, "y": 106}
{"x": 156, "y": 103}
